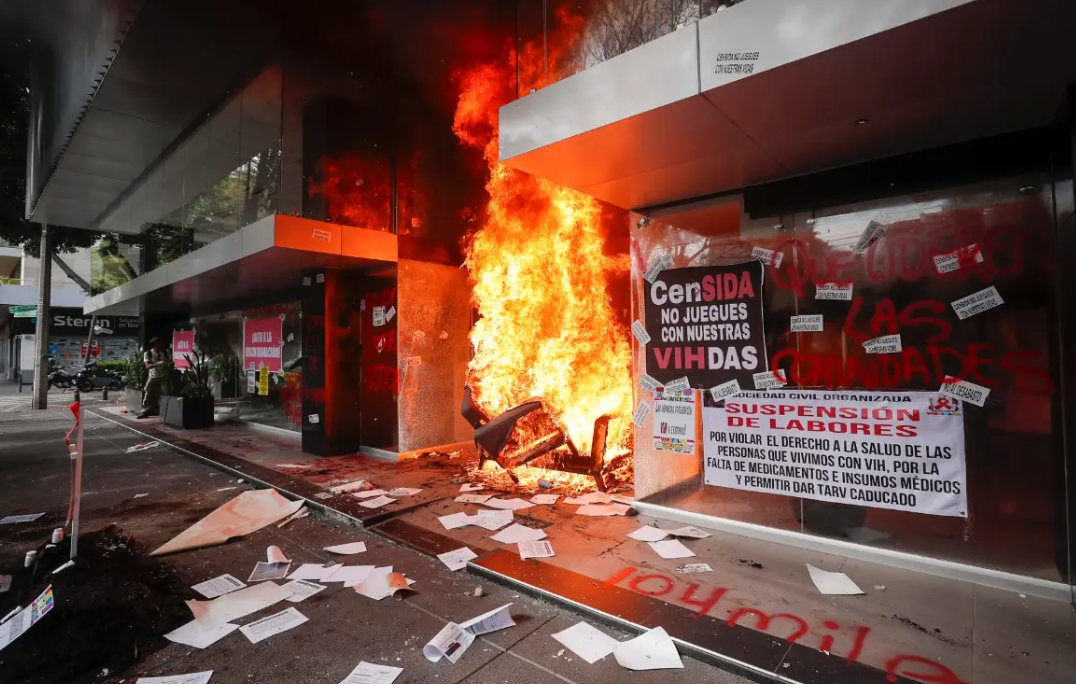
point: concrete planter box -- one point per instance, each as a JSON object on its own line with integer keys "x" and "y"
{"x": 134, "y": 400}
{"x": 187, "y": 414}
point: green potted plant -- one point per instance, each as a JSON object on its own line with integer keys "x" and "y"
{"x": 225, "y": 371}
{"x": 134, "y": 379}
{"x": 192, "y": 407}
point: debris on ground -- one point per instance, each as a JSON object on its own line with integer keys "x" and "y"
{"x": 110, "y": 608}
{"x": 246, "y": 513}
{"x": 479, "y": 591}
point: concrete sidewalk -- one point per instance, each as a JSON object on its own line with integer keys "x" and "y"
{"x": 754, "y": 611}
{"x": 156, "y": 493}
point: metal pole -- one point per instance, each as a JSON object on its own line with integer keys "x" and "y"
{"x": 89, "y": 340}
{"x": 44, "y": 295}
{"x": 76, "y": 477}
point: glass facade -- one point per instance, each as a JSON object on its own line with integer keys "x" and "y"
{"x": 1014, "y": 458}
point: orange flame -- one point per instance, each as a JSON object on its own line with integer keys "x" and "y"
{"x": 540, "y": 274}
{"x": 357, "y": 191}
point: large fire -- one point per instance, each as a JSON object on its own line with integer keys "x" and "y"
{"x": 540, "y": 276}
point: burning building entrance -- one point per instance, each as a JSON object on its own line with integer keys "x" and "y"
{"x": 548, "y": 346}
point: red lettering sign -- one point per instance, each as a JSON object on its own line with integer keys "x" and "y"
{"x": 182, "y": 347}
{"x": 263, "y": 342}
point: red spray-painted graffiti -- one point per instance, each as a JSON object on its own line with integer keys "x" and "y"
{"x": 657, "y": 584}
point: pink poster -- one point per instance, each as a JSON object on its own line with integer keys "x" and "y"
{"x": 262, "y": 343}
{"x": 182, "y": 346}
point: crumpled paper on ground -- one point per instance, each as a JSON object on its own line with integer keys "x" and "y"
{"x": 246, "y": 513}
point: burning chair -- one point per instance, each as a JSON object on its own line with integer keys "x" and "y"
{"x": 492, "y": 436}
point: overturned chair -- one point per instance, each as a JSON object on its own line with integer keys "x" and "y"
{"x": 492, "y": 436}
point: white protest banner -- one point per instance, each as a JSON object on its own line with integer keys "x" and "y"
{"x": 952, "y": 261}
{"x": 964, "y": 390}
{"x": 674, "y": 421}
{"x": 833, "y": 291}
{"x": 898, "y": 450}
{"x": 981, "y": 301}
{"x": 886, "y": 344}
{"x": 811, "y": 323}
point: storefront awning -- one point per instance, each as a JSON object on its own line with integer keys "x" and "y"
{"x": 267, "y": 257}
{"x": 769, "y": 89}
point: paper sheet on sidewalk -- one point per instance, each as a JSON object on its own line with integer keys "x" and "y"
{"x": 13, "y": 519}
{"x": 589, "y": 498}
{"x": 377, "y": 503}
{"x": 472, "y": 487}
{"x": 314, "y": 571}
{"x": 301, "y": 590}
{"x": 492, "y": 520}
{"x": 191, "y": 634}
{"x": 653, "y": 650}
{"x": 585, "y": 641}
{"x": 369, "y": 493}
{"x": 269, "y": 571}
{"x": 273, "y": 624}
{"x": 833, "y": 582}
{"x": 237, "y": 604}
{"x": 515, "y": 533}
{"x": 545, "y": 499}
{"x": 347, "y": 549}
{"x": 449, "y": 643}
{"x": 273, "y": 554}
{"x": 454, "y": 521}
{"x": 689, "y": 532}
{"x": 21, "y": 620}
{"x": 457, "y": 560}
{"x": 509, "y": 504}
{"x": 349, "y": 486}
{"x": 690, "y": 568}
{"x": 535, "y": 549}
{"x": 194, "y": 678}
{"x": 404, "y": 491}
{"x": 493, "y": 621}
{"x": 474, "y": 498}
{"x": 382, "y": 583}
{"x": 671, "y": 548}
{"x": 218, "y": 586}
{"x": 648, "y": 534}
{"x": 352, "y": 574}
{"x": 603, "y": 510}
{"x": 369, "y": 673}
{"x": 246, "y": 513}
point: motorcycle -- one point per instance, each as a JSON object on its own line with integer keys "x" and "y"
{"x": 91, "y": 377}
{"x": 60, "y": 378}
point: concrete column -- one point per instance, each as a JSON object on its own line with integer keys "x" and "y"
{"x": 44, "y": 295}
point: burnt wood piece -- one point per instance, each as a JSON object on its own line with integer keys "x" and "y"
{"x": 597, "y": 450}
{"x": 538, "y": 447}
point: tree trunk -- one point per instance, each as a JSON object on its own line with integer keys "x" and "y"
{"x": 70, "y": 272}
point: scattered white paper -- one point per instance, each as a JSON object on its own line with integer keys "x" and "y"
{"x": 377, "y": 503}
{"x": 886, "y": 344}
{"x": 379, "y": 316}
{"x": 809, "y": 323}
{"x": 725, "y": 390}
{"x": 515, "y": 533}
{"x": 768, "y": 380}
{"x": 767, "y": 256}
{"x": 952, "y": 261}
{"x": 832, "y": 582}
{"x": 964, "y": 390}
{"x": 639, "y": 331}
{"x": 648, "y": 383}
{"x": 350, "y": 573}
{"x": 535, "y": 549}
{"x": 273, "y": 624}
{"x": 347, "y": 549}
{"x": 382, "y": 583}
{"x": 545, "y": 499}
{"x": 404, "y": 491}
{"x": 269, "y": 571}
{"x": 314, "y": 571}
{"x": 369, "y": 673}
{"x": 449, "y": 643}
{"x": 474, "y": 498}
{"x": 302, "y": 589}
{"x": 218, "y": 586}
{"x": 140, "y": 496}
{"x": 492, "y": 520}
{"x": 981, "y": 301}
{"x": 191, "y": 634}
{"x": 194, "y": 678}
{"x": 648, "y": 534}
{"x": 273, "y": 554}
{"x": 658, "y": 263}
{"x": 509, "y": 504}
{"x": 142, "y": 446}
{"x": 833, "y": 291}
{"x": 653, "y": 650}
{"x": 493, "y": 621}
{"x": 13, "y": 519}
{"x": 587, "y": 642}
{"x": 642, "y": 412}
{"x": 236, "y": 604}
{"x": 872, "y": 234}
{"x": 603, "y": 510}
{"x": 348, "y": 486}
{"x": 671, "y": 548}
{"x": 690, "y": 568}
{"x": 678, "y": 385}
{"x": 472, "y": 487}
{"x": 689, "y": 532}
{"x": 589, "y": 498}
{"x": 457, "y": 560}
{"x": 369, "y": 493}
{"x": 454, "y": 521}
{"x": 389, "y": 313}
{"x": 227, "y": 489}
